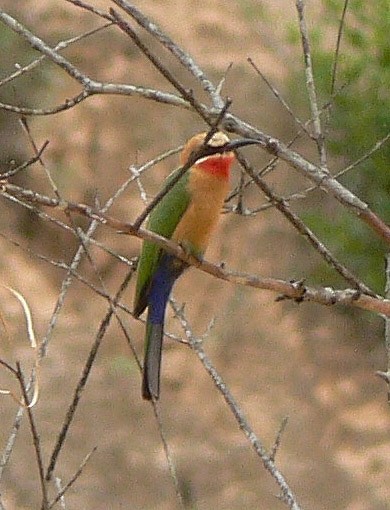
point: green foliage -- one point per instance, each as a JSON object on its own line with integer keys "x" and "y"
{"x": 359, "y": 118}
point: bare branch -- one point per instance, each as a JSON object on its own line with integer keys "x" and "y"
{"x": 196, "y": 345}
{"x": 308, "y": 234}
{"x": 184, "y": 58}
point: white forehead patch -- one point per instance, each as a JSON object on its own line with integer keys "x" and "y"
{"x": 218, "y": 139}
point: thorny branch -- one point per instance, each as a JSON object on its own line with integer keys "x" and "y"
{"x": 325, "y": 296}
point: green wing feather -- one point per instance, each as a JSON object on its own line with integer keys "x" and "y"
{"x": 163, "y": 221}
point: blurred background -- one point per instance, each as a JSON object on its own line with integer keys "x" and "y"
{"x": 315, "y": 365}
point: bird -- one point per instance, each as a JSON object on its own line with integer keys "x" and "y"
{"x": 186, "y": 214}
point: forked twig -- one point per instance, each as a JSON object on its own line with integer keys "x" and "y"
{"x": 26, "y": 164}
{"x": 278, "y": 439}
{"x": 77, "y": 474}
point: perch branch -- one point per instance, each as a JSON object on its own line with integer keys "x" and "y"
{"x": 324, "y": 296}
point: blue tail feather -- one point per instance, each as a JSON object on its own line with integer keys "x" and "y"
{"x": 169, "y": 269}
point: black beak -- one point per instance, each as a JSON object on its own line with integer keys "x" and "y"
{"x": 230, "y": 146}
{"x": 243, "y": 142}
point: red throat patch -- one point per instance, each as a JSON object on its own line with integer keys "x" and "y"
{"x": 218, "y": 165}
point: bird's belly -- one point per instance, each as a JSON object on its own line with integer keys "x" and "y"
{"x": 194, "y": 229}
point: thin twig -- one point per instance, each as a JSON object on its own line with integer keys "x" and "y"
{"x": 278, "y": 439}
{"x": 35, "y": 435}
{"x": 65, "y": 267}
{"x": 6, "y": 455}
{"x": 310, "y": 85}
{"x": 378, "y": 145}
{"x": 60, "y": 46}
{"x": 386, "y": 375}
{"x": 26, "y": 164}
{"x": 24, "y": 123}
{"x": 338, "y": 44}
{"x": 58, "y": 484}
{"x": 168, "y": 454}
{"x": 43, "y": 48}
{"x": 278, "y": 96}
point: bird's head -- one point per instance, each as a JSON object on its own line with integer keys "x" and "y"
{"x": 219, "y": 154}
{"x": 217, "y": 163}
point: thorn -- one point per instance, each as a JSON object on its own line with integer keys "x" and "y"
{"x": 296, "y": 285}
